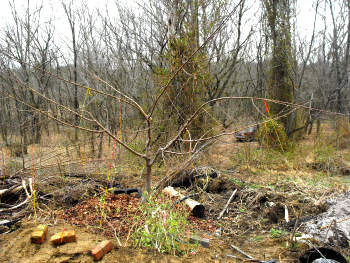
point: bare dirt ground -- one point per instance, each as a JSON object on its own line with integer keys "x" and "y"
{"x": 268, "y": 183}
{"x": 15, "y": 247}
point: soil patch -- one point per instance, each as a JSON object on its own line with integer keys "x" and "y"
{"x": 16, "y": 247}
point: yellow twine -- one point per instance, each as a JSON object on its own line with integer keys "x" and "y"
{"x": 274, "y": 127}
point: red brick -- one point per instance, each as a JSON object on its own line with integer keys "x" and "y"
{"x": 64, "y": 236}
{"x": 101, "y": 249}
{"x": 39, "y": 234}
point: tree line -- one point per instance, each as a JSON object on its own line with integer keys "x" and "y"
{"x": 171, "y": 70}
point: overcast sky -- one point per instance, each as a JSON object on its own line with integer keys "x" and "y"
{"x": 53, "y": 9}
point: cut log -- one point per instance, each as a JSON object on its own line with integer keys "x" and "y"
{"x": 24, "y": 186}
{"x": 197, "y": 208}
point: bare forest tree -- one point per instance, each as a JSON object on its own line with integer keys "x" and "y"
{"x": 170, "y": 75}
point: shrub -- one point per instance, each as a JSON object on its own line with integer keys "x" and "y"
{"x": 277, "y": 233}
{"x": 162, "y": 226}
{"x": 272, "y": 134}
{"x": 342, "y": 133}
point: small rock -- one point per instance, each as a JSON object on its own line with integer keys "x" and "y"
{"x": 203, "y": 241}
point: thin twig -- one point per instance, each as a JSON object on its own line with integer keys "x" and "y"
{"x": 339, "y": 221}
{"x": 242, "y": 252}
{"x": 228, "y": 202}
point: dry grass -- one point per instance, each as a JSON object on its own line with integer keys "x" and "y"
{"x": 314, "y": 169}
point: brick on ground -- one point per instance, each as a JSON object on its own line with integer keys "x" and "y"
{"x": 39, "y": 234}
{"x": 101, "y": 249}
{"x": 64, "y": 236}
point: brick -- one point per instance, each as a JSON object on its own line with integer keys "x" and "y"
{"x": 65, "y": 236}
{"x": 101, "y": 249}
{"x": 39, "y": 234}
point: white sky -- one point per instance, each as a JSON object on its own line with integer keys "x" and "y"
{"x": 53, "y": 9}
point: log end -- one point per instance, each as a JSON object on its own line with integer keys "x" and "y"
{"x": 198, "y": 211}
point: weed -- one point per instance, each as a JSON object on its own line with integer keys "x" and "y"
{"x": 13, "y": 164}
{"x": 162, "y": 227}
{"x": 311, "y": 182}
{"x": 255, "y": 186}
{"x": 102, "y": 199}
{"x": 298, "y": 234}
{"x": 237, "y": 182}
{"x": 272, "y": 186}
{"x": 294, "y": 245}
{"x": 277, "y": 233}
{"x": 243, "y": 210}
{"x": 258, "y": 238}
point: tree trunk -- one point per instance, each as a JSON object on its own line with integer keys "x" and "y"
{"x": 280, "y": 86}
{"x": 100, "y": 146}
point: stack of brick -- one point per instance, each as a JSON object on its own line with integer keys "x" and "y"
{"x": 39, "y": 234}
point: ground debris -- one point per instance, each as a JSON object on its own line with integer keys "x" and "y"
{"x": 118, "y": 211}
{"x": 120, "y": 215}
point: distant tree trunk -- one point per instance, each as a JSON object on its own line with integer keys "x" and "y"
{"x": 36, "y": 128}
{"x": 76, "y": 102}
{"x": 71, "y": 19}
{"x": 347, "y": 55}
{"x": 92, "y": 143}
{"x": 100, "y": 146}
{"x": 336, "y": 63}
{"x": 188, "y": 89}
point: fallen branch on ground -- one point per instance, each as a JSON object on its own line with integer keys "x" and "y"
{"x": 228, "y": 202}
{"x": 339, "y": 221}
{"x": 24, "y": 186}
{"x": 242, "y": 252}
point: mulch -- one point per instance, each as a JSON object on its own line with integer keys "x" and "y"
{"x": 120, "y": 216}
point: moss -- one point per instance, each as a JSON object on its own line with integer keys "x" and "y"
{"x": 186, "y": 90}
